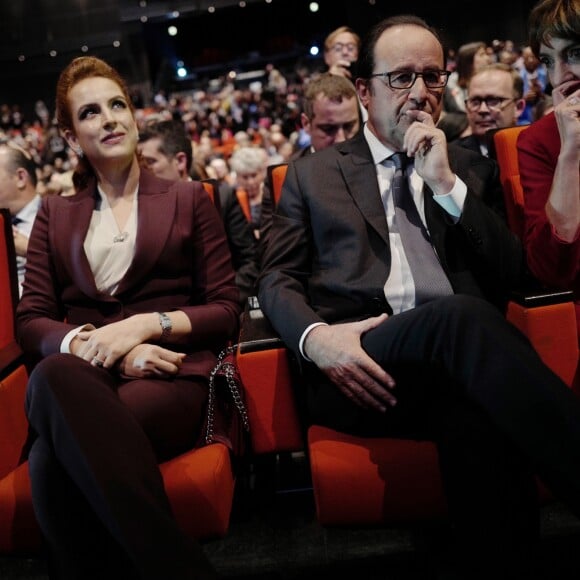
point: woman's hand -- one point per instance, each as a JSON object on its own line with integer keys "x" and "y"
{"x": 105, "y": 346}
{"x": 150, "y": 360}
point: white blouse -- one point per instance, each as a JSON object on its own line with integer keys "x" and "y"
{"x": 109, "y": 250}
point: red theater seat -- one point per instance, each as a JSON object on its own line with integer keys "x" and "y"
{"x": 369, "y": 481}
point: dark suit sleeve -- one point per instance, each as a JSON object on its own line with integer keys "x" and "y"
{"x": 265, "y": 221}
{"x": 490, "y": 251}
{"x": 492, "y": 192}
{"x": 243, "y": 246}
{"x": 286, "y": 266}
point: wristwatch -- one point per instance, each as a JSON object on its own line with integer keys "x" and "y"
{"x": 166, "y": 326}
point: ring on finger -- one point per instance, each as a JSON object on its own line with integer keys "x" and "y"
{"x": 97, "y": 362}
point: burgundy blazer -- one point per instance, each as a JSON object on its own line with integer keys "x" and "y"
{"x": 552, "y": 261}
{"x": 181, "y": 262}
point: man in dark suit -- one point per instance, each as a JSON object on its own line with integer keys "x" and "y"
{"x": 330, "y": 114}
{"x": 384, "y": 354}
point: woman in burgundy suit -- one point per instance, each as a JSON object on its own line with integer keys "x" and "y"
{"x": 129, "y": 293}
{"x": 549, "y": 152}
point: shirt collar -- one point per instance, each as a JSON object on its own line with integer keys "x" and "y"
{"x": 379, "y": 151}
{"x": 28, "y": 212}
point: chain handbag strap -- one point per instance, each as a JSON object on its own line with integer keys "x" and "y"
{"x": 229, "y": 372}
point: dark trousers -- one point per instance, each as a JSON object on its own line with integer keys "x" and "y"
{"x": 97, "y": 490}
{"x": 472, "y": 383}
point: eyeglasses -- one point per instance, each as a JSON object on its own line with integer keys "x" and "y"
{"x": 405, "y": 79}
{"x": 340, "y": 46}
{"x": 492, "y": 103}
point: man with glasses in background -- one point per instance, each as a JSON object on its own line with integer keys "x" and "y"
{"x": 341, "y": 48}
{"x": 387, "y": 275}
{"x": 495, "y": 100}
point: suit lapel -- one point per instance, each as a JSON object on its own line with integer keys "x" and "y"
{"x": 71, "y": 223}
{"x": 155, "y": 218}
{"x": 360, "y": 178}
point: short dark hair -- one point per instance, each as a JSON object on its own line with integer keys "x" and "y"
{"x": 173, "y": 136}
{"x": 334, "y": 87}
{"x": 366, "y": 61}
{"x": 553, "y": 18}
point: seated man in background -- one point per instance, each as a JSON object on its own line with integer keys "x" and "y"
{"x": 494, "y": 101}
{"x": 165, "y": 148}
{"x": 387, "y": 275}
{"x": 18, "y": 193}
{"x": 330, "y": 114}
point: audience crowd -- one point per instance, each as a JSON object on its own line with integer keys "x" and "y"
{"x": 366, "y": 303}
{"x": 263, "y": 114}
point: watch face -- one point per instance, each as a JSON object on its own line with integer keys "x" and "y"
{"x": 166, "y": 326}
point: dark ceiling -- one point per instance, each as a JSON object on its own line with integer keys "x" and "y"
{"x": 39, "y": 37}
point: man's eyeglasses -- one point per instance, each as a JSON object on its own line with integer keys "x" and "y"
{"x": 492, "y": 103}
{"x": 340, "y": 46}
{"x": 404, "y": 79}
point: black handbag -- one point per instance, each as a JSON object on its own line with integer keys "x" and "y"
{"x": 226, "y": 419}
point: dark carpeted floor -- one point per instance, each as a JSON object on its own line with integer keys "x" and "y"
{"x": 275, "y": 536}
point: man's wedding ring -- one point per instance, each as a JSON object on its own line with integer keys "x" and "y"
{"x": 97, "y": 362}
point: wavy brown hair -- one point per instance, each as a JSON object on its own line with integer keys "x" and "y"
{"x": 77, "y": 70}
{"x": 553, "y": 18}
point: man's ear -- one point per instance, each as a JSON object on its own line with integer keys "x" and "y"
{"x": 364, "y": 90}
{"x": 181, "y": 161}
{"x": 22, "y": 177}
{"x": 520, "y": 106}
{"x": 305, "y": 121}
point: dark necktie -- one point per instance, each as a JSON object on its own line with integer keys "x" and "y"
{"x": 428, "y": 275}
{"x": 15, "y": 220}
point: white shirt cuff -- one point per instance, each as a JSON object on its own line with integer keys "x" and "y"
{"x": 453, "y": 201}
{"x": 305, "y": 334}
{"x": 65, "y": 344}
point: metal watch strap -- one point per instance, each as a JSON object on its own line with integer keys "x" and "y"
{"x": 166, "y": 326}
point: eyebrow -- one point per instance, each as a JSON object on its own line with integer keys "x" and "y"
{"x": 571, "y": 42}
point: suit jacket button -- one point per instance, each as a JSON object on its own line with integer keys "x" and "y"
{"x": 377, "y": 306}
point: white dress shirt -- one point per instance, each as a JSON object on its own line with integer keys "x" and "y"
{"x": 25, "y": 217}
